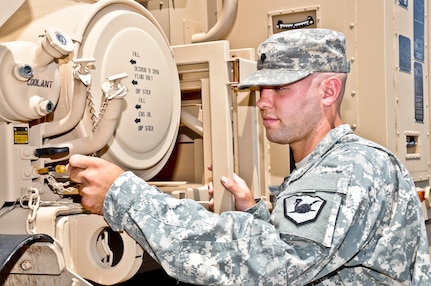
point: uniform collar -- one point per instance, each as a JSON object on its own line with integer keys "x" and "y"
{"x": 319, "y": 152}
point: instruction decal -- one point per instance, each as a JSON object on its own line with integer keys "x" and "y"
{"x": 142, "y": 79}
{"x": 296, "y": 25}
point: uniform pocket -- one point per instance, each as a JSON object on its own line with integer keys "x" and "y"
{"x": 309, "y": 208}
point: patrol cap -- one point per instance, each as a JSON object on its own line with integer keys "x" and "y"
{"x": 292, "y": 55}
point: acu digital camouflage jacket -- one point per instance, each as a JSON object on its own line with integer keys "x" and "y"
{"x": 348, "y": 215}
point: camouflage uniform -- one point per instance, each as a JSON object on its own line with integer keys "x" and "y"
{"x": 348, "y": 215}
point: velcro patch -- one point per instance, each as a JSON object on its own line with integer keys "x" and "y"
{"x": 303, "y": 209}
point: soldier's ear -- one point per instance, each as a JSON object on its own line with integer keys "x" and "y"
{"x": 332, "y": 88}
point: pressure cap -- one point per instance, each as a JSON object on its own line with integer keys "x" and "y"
{"x": 289, "y": 56}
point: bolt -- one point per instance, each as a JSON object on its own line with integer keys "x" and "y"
{"x": 46, "y": 106}
{"x": 26, "y": 71}
{"x": 62, "y": 39}
{"x": 26, "y": 265}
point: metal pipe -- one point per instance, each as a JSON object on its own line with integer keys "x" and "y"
{"x": 101, "y": 136}
{"x": 74, "y": 116}
{"x": 223, "y": 25}
{"x": 192, "y": 122}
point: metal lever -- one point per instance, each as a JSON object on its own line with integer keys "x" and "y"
{"x": 82, "y": 72}
{"x": 51, "y": 152}
{"x": 113, "y": 87}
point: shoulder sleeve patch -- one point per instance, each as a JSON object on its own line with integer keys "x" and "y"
{"x": 302, "y": 209}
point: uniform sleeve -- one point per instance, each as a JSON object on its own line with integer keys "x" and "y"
{"x": 195, "y": 245}
{"x": 260, "y": 210}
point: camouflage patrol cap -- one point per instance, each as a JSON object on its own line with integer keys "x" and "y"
{"x": 289, "y": 56}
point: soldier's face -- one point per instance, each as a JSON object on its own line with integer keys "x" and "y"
{"x": 291, "y": 112}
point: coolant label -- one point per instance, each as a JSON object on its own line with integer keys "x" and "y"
{"x": 40, "y": 83}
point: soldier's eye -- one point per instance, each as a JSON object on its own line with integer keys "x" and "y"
{"x": 281, "y": 88}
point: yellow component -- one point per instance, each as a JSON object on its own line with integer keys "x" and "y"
{"x": 60, "y": 169}
{"x": 43, "y": 171}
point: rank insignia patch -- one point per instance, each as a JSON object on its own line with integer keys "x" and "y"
{"x": 303, "y": 209}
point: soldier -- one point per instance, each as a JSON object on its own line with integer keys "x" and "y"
{"x": 348, "y": 214}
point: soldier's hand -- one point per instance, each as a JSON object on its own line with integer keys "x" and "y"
{"x": 238, "y": 188}
{"x": 95, "y": 176}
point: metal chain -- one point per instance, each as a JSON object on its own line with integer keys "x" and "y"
{"x": 59, "y": 188}
{"x": 91, "y": 103}
{"x": 33, "y": 205}
{"x": 34, "y": 202}
{"x": 96, "y": 117}
{"x": 101, "y": 113}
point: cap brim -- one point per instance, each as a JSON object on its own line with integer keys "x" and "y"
{"x": 272, "y": 77}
